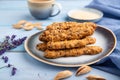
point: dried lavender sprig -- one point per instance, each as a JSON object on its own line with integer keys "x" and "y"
{"x": 18, "y": 41}
{"x": 5, "y": 58}
{"x": 13, "y": 37}
{"x": 3, "y": 67}
{"x": 2, "y": 51}
{"x": 6, "y": 66}
{"x": 13, "y": 72}
{"x": 10, "y": 43}
{"x": 9, "y": 65}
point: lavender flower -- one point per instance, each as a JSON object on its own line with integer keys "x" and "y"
{"x": 9, "y": 65}
{"x": 13, "y": 71}
{"x": 10, "y": 43}
{"x": 13, "y": 37}
{"x": 2, "y": 51}
{"x": 7, "y": 37}
{"x": 5, "y": 58}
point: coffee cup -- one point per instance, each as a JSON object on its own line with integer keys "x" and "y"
{"x": 42, "y": 9}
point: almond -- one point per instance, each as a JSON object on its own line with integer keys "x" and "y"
{"x": 39, "y": 27}
{"x": 27, "y": 28}
{"x": 63, "y": 74}
{"x": 95, "y": 77}
{"x": 28, "y": 24}
{"x": 83, "y": 70}
{"x": 22, "y": 22}
{"x": 17, "y": 26}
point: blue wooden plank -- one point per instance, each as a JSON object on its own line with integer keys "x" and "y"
{"x": 28, "y": 69}
{"x": 11, "y": 11}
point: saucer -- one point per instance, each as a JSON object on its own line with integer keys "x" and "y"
{"x": 85, "y": 15}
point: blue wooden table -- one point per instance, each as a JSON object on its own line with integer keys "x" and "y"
{"x": 11, "y": 11}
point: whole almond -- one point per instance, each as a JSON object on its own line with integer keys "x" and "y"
{"x": 95, "y": 77}
{"x": 39, "y": 27}
{"x": 27, "y": 28}
{"x": 28, "y": 24}
{"x": 22, "y": 22}
{"x": 63, "y": 74}
{"x": 83, "y": 70}
{"x": 17, "y": 26}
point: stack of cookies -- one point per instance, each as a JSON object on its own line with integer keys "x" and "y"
{"x": 68, "y": 39}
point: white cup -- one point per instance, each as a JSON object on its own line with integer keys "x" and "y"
{"x": 42, "y": 9}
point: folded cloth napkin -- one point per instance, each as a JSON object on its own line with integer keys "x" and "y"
{"x": 111, "y": 20}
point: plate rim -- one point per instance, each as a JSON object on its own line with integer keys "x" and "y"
{"x": 70, "y": 65}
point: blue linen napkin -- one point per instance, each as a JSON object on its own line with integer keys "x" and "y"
{"x": 111, "y": 20}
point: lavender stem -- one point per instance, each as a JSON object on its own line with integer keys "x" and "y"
{"x": 3, "y": 67}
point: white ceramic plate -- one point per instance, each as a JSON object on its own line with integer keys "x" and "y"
{"x": 71, "y": 14}
{"x": 105, "y": 38}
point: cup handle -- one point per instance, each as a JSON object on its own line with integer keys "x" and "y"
{"x": 59, "y": 9}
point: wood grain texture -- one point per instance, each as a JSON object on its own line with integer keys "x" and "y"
{"x": 12, "y": 11}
